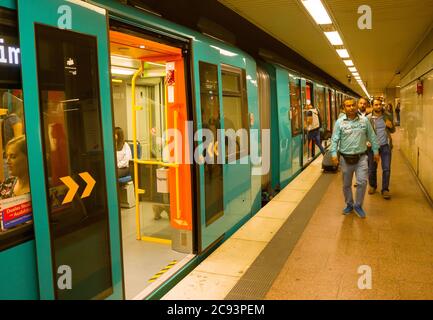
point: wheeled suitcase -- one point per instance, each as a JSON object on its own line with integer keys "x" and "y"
{"x": 327, "y": 164}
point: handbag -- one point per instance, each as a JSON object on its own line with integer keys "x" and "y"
{"x": 351, "y": 158}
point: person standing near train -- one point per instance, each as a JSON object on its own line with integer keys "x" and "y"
{"x": 313, "y": 128}
{"x": 350, "y": 137}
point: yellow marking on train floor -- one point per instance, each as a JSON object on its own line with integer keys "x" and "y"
{"x": 156, "y": 240}
{"x": 162, "y": 271}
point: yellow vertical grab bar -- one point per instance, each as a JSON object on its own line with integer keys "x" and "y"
{"x": 176, "y": 113}
{"x": 134, "y": 139}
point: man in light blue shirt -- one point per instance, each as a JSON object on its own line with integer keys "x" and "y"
{"x": 350, "y": 137}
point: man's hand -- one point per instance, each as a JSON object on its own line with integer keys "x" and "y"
{"x": 368, "y": 144}
{"x": 376, "y": 158}
{"x": 335, "y": 161}
{"x": 388, "y": 123}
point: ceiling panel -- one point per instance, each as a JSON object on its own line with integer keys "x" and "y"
{"x": 398, "y": 26}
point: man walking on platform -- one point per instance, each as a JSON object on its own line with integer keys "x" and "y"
{"x": 383, "y": 126}
{"x": 363, "y": 107}
{"x": 350, "y": 136}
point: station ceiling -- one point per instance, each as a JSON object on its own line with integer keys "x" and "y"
{"x": 398, "y": 27}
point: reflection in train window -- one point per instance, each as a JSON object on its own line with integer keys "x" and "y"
{"x": 319, "y": 95}
{"x": 295, "y": 106}
{"x": 16, "y": 217}
{"x": 210, "y": 114}
{"x": 235, "y": 112}
{"x": 74, "y": 158}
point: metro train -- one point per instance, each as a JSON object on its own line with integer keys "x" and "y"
{"x": 71, "y": 71}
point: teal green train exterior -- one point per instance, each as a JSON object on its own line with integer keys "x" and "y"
{"x": 18, "y": 264}
{"x": 242, "y": 194}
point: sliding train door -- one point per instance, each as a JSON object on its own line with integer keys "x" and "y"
{"x": 66, "y": 85}
{"x": 225, "y": 100}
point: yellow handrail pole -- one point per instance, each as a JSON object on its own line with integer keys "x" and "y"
{"x": 166, "y": 114}
{"x": 177, "y": 167}
{"x": 134, "y": 139}
{"x": 149, "y": 114}
{"x": 158, "y": 163}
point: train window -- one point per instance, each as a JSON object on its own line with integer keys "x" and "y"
{"x": 68, "y": 83}
{"x": 329, "y": 115}
{"x": 210, "y": 117}
{"x": 319, "y": 95}
{"x": 235, "y": 112}
{"x": 15, "y": 203}
{"x": 295, "y": 105}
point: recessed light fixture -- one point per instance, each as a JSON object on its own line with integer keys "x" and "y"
{"x": 348, "y": 63}
{"x": 353, "y": 69}
{"x": 356, "y": 74}
{"x": 343, "y": 53}
{"x": 334, "y": 38}
{"x": 122, "y": 71}
{"x": 316, "y": 9}
{"x": 142, "y": 46}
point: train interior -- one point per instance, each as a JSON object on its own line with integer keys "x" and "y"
{"x": 156, "y": 226}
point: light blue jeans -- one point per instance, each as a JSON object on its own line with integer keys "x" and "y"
{"x": 361, "y": 171}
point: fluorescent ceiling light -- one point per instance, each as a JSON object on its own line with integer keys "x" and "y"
{"x": 334, "y": 38}
{"x": 356, "y": 74}
{"x": 348, "y": 63}
{"x": 122, "y": 71}
{"x": 343, "y": 53}
{"x": 316, "y": 9}
{"x": 352, "y": 69}
{"x": 156, "y": 64}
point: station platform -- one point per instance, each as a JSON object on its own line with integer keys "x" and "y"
{"x": 300, "y": 246}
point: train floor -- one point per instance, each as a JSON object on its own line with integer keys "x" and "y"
{"x": 145, "y": 261}
{"x": 300, "y": 246}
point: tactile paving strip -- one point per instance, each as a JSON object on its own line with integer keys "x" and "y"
{"x": 258, "y": 279}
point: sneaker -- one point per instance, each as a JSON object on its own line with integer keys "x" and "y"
{"x": 371, "y": 190}
{"x": 348, "y": 210}
{"x": 386, "y": 194}
{"x": 360, "y": 212}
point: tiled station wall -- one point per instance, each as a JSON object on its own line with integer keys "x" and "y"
{"x": 417, "y": 121}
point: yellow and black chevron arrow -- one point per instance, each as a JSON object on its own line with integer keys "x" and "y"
{"x": 73, "y": 186}
{"x": 163, "y": 270}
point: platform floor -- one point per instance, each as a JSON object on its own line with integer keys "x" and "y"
{"x": 395, "y": 240}
{"x": 300, "y": 246}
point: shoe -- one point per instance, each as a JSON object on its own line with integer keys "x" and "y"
{"x": 348, "y": 210}
{"x": 386, "y": 194}
{"x": 359, "y": 212}
{"x": 371, "y": 190}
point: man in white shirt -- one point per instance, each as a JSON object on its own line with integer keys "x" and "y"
{"x": 313, "y": 128}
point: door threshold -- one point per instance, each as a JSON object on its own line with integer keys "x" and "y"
{"x": 162, "y": 279}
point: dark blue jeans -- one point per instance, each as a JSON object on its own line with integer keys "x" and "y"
{"x": 385, "y": 157}
{"x": 315, "y": 136}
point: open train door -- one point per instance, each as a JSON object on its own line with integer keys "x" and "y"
{"x": 67, "y": 102}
